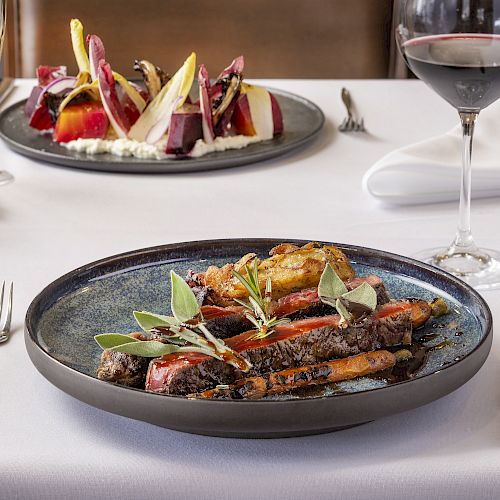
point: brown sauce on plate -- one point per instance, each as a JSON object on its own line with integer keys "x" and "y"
{"x": 420, "y": 349}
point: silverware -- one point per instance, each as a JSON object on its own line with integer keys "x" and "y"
{"x": 5, "y": 329}
{"x": 350, "y": 124}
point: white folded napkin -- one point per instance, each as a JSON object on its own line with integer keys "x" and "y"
{"x": 430, "y": 171}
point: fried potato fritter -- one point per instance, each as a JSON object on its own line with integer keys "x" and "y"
{"x": 291, "y": 268}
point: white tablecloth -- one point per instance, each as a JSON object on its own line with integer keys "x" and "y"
{"x": 54, "y": 219}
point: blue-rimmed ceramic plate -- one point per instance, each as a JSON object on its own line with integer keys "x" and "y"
{"x": 99, "y": 297}
{"x": 302, "y": 119}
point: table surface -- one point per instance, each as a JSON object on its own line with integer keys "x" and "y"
{"x": 54, "y": 219}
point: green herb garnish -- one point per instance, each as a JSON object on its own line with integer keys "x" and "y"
{"x": 258, "y": 311}
{"x": 184, "y": 332}
{"x": 349, "y": 304}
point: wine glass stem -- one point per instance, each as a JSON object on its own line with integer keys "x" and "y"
{"x": 464, "y": 243}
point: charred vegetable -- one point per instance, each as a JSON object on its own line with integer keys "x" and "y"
{"x": 154, "y": 77}
{"x": 224, "y": 94}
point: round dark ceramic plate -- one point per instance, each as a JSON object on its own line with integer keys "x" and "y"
{"x": 302, "y": 119}
{"x": 100, "y": 297}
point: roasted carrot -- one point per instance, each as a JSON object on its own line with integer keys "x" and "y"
{"x": 294, "y": 378}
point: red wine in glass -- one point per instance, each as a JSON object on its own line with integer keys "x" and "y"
{"x": 454, "y": 46}
{"x": 462, "y": 68}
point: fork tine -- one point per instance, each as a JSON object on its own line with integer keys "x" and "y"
{"x": 1, "y": 298}
{"x": 8, "y": 319}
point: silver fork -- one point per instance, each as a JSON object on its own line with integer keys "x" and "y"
{"x": 5, "y": 329}
{"x": 350, "y": 124}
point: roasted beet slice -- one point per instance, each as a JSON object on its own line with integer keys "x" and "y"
{"x": 277, "y": 116}
{"x": 87, "y": 120}
{"x": 185, "y": 129}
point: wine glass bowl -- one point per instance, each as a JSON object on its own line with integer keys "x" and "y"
{"x": 454, "y": 47}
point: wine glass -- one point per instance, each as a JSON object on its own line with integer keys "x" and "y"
{"x": 5, "y": 177}
{"x": 454, "y": 47}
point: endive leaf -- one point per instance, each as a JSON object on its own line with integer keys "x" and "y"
{"x": 206, "y": 106}
{"x": 135, "y": 97}
{"x": 96, "y": 53}
{"x": 92, "y": 89}
{"x": 259, "y": 102}
{"x": 78, "y": 42}
{"x": 109, "y": 97}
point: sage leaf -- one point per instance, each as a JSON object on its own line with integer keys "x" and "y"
{"x": 364, "y": 294}
{"x": 110, "y": 340}
{"x": 148, "y": 321}
{"x": 343, "y": 311}
{"x": 330, "y": 287}
{"x": 146, "y": 349}
{"x": 183, "y": 302}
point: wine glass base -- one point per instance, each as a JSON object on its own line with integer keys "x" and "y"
{"x": 5, "y": 177}
{"x": 480, "y": 269}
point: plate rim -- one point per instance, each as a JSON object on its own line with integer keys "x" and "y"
{"x": 30, "y": 336}
{"x": 205, "y": 163}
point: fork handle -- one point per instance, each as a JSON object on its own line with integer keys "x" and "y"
{"x": 346, "y": 99}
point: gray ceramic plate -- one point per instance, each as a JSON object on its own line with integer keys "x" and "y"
{"x": 303, "y": 121}
{"x": 99, "y": 297}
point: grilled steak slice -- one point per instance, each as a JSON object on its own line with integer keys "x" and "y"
{"x": 223, "y": 322}
{"x": 396, "y": 326}
{"x": 298, "y": 343}
{"x": 307, "y": 304}
{"x": 124, "y": 369}
{"x": 294, "y": 378}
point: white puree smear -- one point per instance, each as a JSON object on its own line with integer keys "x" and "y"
{"x": 222, "y": 144}
{"x": 128, "y": 147}
{"x": 118, "y": 147}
